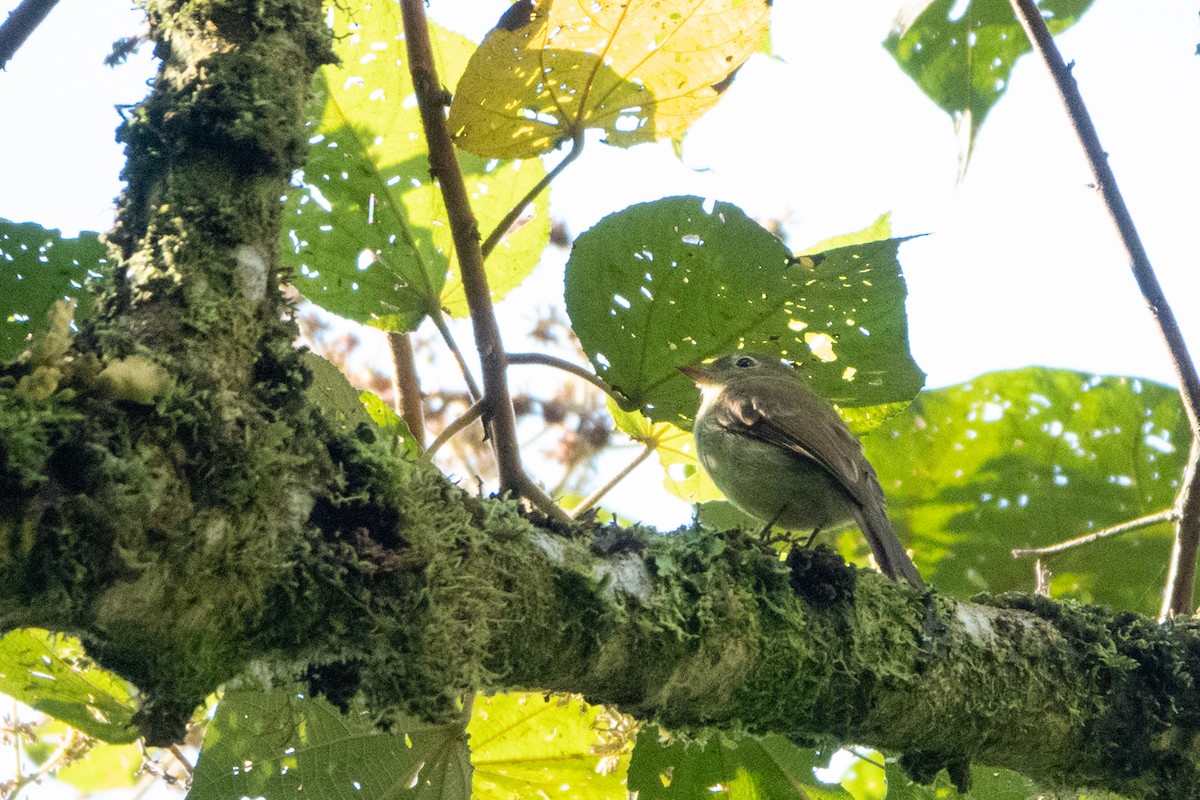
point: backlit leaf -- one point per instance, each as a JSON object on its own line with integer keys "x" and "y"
{"x": 37, "y": 267}
{"x": 531, "y": 745}
{"x": 50, "y": 673}
{"x": 675, "y": 281}
{"x": 366, "y": 229}
{"x": 1029, "y": 458}
{"x": 726, "y": 767}
{"x": 639, "y": 70}
{"x": 961, "y": 55}
{"x": 280, "y": 744}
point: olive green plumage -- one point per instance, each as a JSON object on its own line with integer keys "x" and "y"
{"x": 781, "y": 453}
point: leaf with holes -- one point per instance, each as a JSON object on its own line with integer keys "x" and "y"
{"x": 37, "y": 267}
{"x": 278, "y": 743}
{"x": 1029, "y": 458}
{"x": 366, "y": 229}
{"x": 534, "y": 745}
{"x": 639, "y": 70}
{"x": 962, "y": 54}
{"x": 742, "y": 766}
{"x": 50, "y": 673}
{"x": 668, "y": 283}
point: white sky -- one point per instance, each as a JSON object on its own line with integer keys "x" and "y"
{"x": 1020, "y": 267}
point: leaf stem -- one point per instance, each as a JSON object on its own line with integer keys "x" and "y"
{"x": 560, "y": 363}
{"x": 439, "y": 322}
{"x": 1179, "y": 590}
{"x": 407, "y": 385}
{"x": 597, "y": 495}
{"x": 493, "y": 239}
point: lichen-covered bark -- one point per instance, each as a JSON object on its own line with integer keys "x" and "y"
{"x": 169, "y": 493}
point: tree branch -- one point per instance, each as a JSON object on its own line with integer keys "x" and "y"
{"x": 407, "y": 385}
{"x": 444, "y": 166}
{"x": 21, "y": 22}
{"x": 1179, "y": 594}
{"x": 1167, "y": 515}
{"x": 596, "y": 496}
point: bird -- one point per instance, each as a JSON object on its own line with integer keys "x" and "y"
{"x": 781, "y": 453}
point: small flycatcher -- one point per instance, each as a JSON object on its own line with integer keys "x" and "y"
{"x": 781, "y": 453}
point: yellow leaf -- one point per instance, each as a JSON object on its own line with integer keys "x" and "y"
{"x": 676, "y": 450}
{"x": 639, "y": 70}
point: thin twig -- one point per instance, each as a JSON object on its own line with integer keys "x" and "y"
{"x": 473, "y": 413}
{"x": 1179, "y": 591}
{"x": 182, "y": 759}
{"x": 596, "y": 496}
{"x": 560, "y": 363}
{"x": 21, "y": 22}
{"x": 439, "y": 322}
{"x": 1041, "y": 579}
{"x": 443, "y": 165}
{"x": 1166, "y": 515}
{"x": 1177, "y": 597}
{"x": 858, "y": 753}
{"x": 493, "y": 239}
{"x": 407, "y": 385}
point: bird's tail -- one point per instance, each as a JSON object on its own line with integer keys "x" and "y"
{"x": 889, "y": 553}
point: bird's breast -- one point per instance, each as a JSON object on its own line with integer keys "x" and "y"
{"x": 769, "y": 482}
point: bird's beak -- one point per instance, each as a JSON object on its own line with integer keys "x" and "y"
{"x": 698, "y": 373}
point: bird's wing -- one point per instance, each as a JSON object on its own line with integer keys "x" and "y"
{"x": 809, "y": 427}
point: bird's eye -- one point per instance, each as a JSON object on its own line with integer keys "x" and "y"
{"x": 745, "y": 361}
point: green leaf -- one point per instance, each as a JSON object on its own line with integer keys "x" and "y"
{"x": 531, "y": 745}
{"x": 37, "y": 267}
{"x": 105, "y": 767}
{"x": 963, "y": 62}
{"x": 986, "y": 784}
{"x": 50, "y": 673}
{"x": 279, "y": 744}
{"x": 877, "y": 231}
{"x": 745, "y": 767}
{"x": 639, "y": 71}
{"x": 672, "y": 282}
{"x": 366, "y": 230}
{"x": 348, "y": 408}
{"x": 1029, "y": 458}
{"x": 390, "y": 423}
{"x": 333, "y": 395}
{"x": 676, "y": 450}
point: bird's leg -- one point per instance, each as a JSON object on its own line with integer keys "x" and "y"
{"x": 764, "y": 533}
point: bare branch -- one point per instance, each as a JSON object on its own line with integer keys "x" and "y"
{"x": 407, "y": 385}
{"x": 443, "y": 164}
{"x": 597, "y": 495}
{"x": 1166, "y": 515}
{"x": 470, "y": 415}
{"x": 21, "y": 22}
{"x": 1179, "y": 590}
